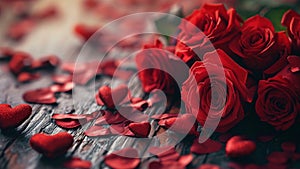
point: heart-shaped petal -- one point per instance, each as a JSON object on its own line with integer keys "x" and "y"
{"x": 13, "y": 117}
{"x": 51, "y": 145}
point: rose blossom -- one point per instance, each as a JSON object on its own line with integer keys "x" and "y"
{"x": 218, "y": 27}
{"x": 278, "y": 100}
{"x": 259, "y": 47}
{"x": 213, "y": 90}
{"x": 291, "y": 20}
{"x": 158, "y": 69}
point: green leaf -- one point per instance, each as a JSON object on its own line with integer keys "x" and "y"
{"x": 275, "y": 15}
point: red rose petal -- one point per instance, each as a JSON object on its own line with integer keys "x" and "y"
{"x": 185, "y": 159}
{"x": 42, "y": 96}
{"x": 27, "y": 77}
{"x": 278, "y": 158}
{"x": 66, "y": 87}
{"x": 164, "y": 116}
{"x": 165, "y": 153}
{"x": 97, "y": 131}
{"x": 182, "y": 124}
{"x": 77, "y": 163}
{"x": 45, "y": 13}
{"x": 209, "y": 146}
{"x": 71, "y": 121}
{"x": 51, "y": 145}
{"x": 141, "y": 106}
{"x": 112, "y": 97}
{"x": 61, "y": 79}
{"x": 13, "y": 117}
{"x": 126, "y": 158}
{"x": 85, "y": 31}
{"x": 110, "y": 118}
{"x": 20, "y": 62}
{"x": 21, "y": 28}
{"x": 238, "y": 146}
{"x": 209, "y": 166}
{"x": 140, "y": 129}
{"x": 289, "y": 147}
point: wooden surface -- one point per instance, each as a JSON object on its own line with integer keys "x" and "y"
{"x": 56, "y": 37}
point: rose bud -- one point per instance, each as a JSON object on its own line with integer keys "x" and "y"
{"x": 291, "y": 20}
{"x": 204, "y": 92}
{"x": 159, "y": 69}
{"x": 13, "y": 117}
{"x": 51, "y": 145}
{"x": 216, "y": 25}
{"x": 278, "y": 101}
{"x": 258, "y": 47}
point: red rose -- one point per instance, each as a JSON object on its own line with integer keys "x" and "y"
{"x": 218, "y": 27}
{"x": 159, "y": 69}
{"x": 291, "y": 20}
{"x": 213, "y": 91}
{"x": 258, "y": 46}
{"x": 278, "y": 100}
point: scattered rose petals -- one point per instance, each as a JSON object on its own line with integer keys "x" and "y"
{"x": 278, "y": 158}
{"x": 77, "y": 163}
{"x": 66, "y": 87}
{"x": 97, "y": 131}
{"x": 140, "y": 129}
{"x": 209, "y": 146}
{"x": 126, "y": 158}
{"x": 112, "y": 97}
{"x": 42, "y": 96}
{"x": 238, "y": 146}
{"x": 27, "y": 77}
{"x": 51, "y": 145}
{"x": 289, "y": 147}
{"x": 20, "y": 62}
{"x": 13, "y": 117}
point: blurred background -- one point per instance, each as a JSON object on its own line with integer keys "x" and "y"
{"x": 55, "y": 26}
